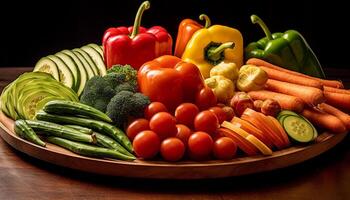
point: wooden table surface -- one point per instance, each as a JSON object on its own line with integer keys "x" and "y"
{"x": 324, "y": 177}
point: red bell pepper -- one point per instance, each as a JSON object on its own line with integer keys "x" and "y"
{"x": 135, "y": 45}
{"x": 169, "y": 80}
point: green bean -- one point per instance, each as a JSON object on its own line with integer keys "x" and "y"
{"x": 23, "y": 130}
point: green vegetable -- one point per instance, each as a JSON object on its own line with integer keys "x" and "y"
{"x": 74, "y": 108}
{"x": 95, "y": 125}
{"x": 289, "y": 50}
{"x": 102, "y": 140}
{"x": 84, "y": 130}
{"x": 23, "y": 130}
{"x": 52, "y": 129}
{"x": 298, "y": 129}
{"x": 88, "y": 150}
{"x": 125, "y": 87}
{"x": 130, "y": 72}
{"x": 125, "y": 104}
{"x": 20, "y": 99}
{"x": 98, "y": 90}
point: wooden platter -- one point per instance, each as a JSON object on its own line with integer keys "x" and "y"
{"x": 165, "y": 170}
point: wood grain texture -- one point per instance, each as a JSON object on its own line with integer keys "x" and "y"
{"x": 324, "y": 177}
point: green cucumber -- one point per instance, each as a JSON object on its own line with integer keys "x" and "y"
{"x": 88, "y": 150}
{"x": 97, "y": 58}
{"x": 97, "y": 48}
{"x": 52, "y": 129}
{"x": 66, "y": 75}
{"x": 75, "y": 108}
{"x": 298, "y": 129}
{"x": 23, "y": 130}
{"x": 81, "y": 76}
{"x": 48, "y": 66}
{"x": 88, "y": 68}
{"x": 89, "y": 60}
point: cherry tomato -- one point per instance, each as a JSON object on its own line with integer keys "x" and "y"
{"x": 183, "y": 133}
{"x": 219, "y": 112}
{"x": 205, "y": 98}
{"x": 164, "y": 124}
{"x": 224, "y": 148}
{"x": 200, "y": 145}
{"x": 206, "y": 121}
{"x": 185, "y": 114}
{"x": 153, "y": 108}
{"x": 146, "y": 144}
{"x": 172, "y": 149}
{"x": 136, "y": 127}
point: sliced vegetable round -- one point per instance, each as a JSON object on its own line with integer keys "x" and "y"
{"x": 48, "y": 66}
{"x": 66, "y": 75}
{"x": 298, "y": 129}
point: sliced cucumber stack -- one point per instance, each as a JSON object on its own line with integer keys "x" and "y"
{"x": 298, "y": 128}
{"x": 74, "y": 67}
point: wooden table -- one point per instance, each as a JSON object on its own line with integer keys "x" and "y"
{"x": 324, "y": 177}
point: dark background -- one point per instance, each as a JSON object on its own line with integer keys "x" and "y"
{"x": 30, "y": 30}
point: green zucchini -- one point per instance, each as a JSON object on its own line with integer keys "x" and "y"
{"x": 97, "y": 58}
{"x": 52, "y": 129}
{"x": 89, "y": 60}
{"x": 88, "y": 150}
{"x": 23, "y": 130}
{"x": 74, "y": 108}
{"x": 48, "y": 66}
{"x": 98, "y": 126}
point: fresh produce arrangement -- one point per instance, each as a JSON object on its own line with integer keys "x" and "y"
{"x": 131, "y": 98}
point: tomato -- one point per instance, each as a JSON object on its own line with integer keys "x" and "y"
{"x": 206, "y": 121}
{"x": 153, "y": 108}
{"x": 183, "y": 133}
{"x": 172, "y": 149}
{"x": 205, "y": 98}
{"x": 136, "y": 127}
{"x": 224, "y": 148}
{"x": 146, "y": 144}
{"x": 185, "y": 114}
{"x": 164, "y": 124}
{"x": 220, "y": 113}
{"x": 200, "y": 145}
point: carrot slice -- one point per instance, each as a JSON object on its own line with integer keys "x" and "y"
{"x": 280, "y": 129}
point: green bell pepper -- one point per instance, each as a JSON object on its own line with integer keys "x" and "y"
{"x": 289, "y": 50}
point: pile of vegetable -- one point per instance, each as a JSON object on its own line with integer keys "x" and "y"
{"x": 213, "y": 99}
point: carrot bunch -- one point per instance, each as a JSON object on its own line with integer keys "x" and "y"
{"x": 319, "y": 100}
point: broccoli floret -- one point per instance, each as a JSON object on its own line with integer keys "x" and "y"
{"x": 125, "y": 104}
{"x": 97, "y": 93}
{"x": 130, "y": 73}
{"x": 115, "y": 79}
{"x": 125, "y": 87}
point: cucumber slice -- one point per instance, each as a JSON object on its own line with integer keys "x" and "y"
{"x": 81, "y": 73}
{"x": 81, "y": 68}
{"x": 66, "y": 75}
{"x": 89, "y": 60}
{"x": 48, "y": 66}
{"x": 285, "y": 113}
{"x": 97, "y": 48}
{"x": 96, "y": 57}
{"x": 86, "y": 65}
{"x": 298, "y": 129}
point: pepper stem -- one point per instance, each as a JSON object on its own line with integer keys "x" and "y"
{"x": 256, "y": 20}
{"x": 207, "y": 20}
{"x": 144, "y": 6}
{"x": 215, "y": 53}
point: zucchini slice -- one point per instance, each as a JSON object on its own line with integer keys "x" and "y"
{"x": 48, "y": 66}
{"x": 86, "y": 65}
{"x": 89, "y": 60}
{"x": 97, "y": 58}
{"x": 298, "y": 129}
{"x": 97, "y": 48}
{"x": 66, "y": 75}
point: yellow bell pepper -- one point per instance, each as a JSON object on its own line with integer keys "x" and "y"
{"x": 213, "y": 44}
{"x": 228, "y": 70}
{"x": 222, "y": 87}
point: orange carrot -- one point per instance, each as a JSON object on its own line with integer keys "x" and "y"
{"x": 324, "y": 120}
{"x": 310, "y": 95}
{"x": 291, "y": 78}
{"x": 259, "y": 62}
{"x": 286, "y": 101}
{"x": 345, "y": 118}
{"x": 338, "y": 100}
{"x": 336, "y": 90}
